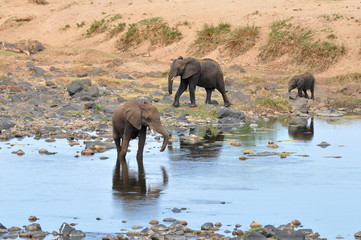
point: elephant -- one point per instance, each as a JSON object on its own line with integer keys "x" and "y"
{"x": 130, "y": 120}
{"x": 205, "y": 73}
{"x": 299, "y": 129}
{"x": 302, "y": 82}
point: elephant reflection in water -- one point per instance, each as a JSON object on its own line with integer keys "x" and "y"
{"x": 299, "y": 129}
{"x": 132, "y": 186}
{"x": 190, "y": 148}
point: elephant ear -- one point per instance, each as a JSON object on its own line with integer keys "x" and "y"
{"x": 134, "y": 116}
{"x": 192, "y": 67}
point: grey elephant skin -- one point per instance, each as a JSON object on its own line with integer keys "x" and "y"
{"x": 130, "y": 120}
{"x": 205, "y": 73}
{"x": 302, "y": 82}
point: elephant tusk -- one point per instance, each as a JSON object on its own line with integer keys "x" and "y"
{"x": 151, "y": 131}
{"x": 172, "y": 79}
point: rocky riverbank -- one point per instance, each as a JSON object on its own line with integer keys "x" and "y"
{"x": 171, "y": 229}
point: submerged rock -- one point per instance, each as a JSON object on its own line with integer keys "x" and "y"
{"x": 323, "y": 144}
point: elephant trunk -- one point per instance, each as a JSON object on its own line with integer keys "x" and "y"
{"x": 160, "y": 129}
{"x": 172, "y": 74}
{"x": 290, "y": 86}
{"x": 165, "y": 141}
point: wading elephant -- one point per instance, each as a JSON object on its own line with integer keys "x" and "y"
{"x": 205, "y": 73}
{"x": 303, "y": 83}
{"x": 130, "y": 120}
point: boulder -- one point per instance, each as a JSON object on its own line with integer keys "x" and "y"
{"x": 6, "y": 124}
{"x": 237, "y": 97}
{"x": 207, "y": 226}
{"x": 78, "y": 85}
{"x": 68, "y": 231}
{"x": 254, "y": 235}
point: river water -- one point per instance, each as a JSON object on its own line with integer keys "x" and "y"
{"x": 320, "y": 186}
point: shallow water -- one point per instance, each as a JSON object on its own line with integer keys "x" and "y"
{"x": 207, "y": 180}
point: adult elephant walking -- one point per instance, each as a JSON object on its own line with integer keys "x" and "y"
{"x": 205, "y": 73}
{"x": 131, "y": 120}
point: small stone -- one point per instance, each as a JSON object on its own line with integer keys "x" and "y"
{"x": 103, "y": 158}
{"x": 87, "y": 152}
{"x": 272, "y": 145}
{"x": 235, "y": 144}
{"x": 176, "y": 210}
{"x": 242, "y": 158}
{"x": 207, "y": 226}
{"x": 323, "y": 144}
{"x": 255, "y": 225}
{"x": 238, "y": 233}
{"x": 357, "y": 235}
{"x": 43, "y": 151}
{"x": 137, "y": 227}
{"x": 169, "y": 220}
{"x": 296, "y": 223}
{"x": 100, "y": 148}
{"x": 153, "y": 222}
{"x": 32, "y": 218}
{"x": 313, "y": 235}
{"x": 20, "y": 152}
{"x": 50, "y": 140}
{"x": 183, "y": 222}
{"x": 218, "y": 224}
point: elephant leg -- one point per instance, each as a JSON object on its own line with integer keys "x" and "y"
{"x": 192, "y": 93}
{"x": 209, "y": 96}
{"x": 300, "y": 92}
{"x": 305, "y": 91}
{"x": 225, "y": 99}
{"x": 119, "y": 148}
{"x": 222, "y": 90}
{"x": 124, "y": 148}
{"x": 180, "y": 91}
{"x": 141, "y": 143}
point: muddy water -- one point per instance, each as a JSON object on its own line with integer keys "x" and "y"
{"x": 319, "y": 186}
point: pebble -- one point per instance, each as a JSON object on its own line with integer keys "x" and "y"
{"x": 242, "y": 158}
{"x": 323, "y": 144}
{"x": 235, "y": 144}
{"x": 136, "y": 227}
{"x": 87, "y": 152}
{"x": 153, "y": 222}
{"x": 32, "y": 218}
{"x": 20, "y": 152}
{"x": 296, "y": 223}
{"x": 43, "y": 151}
{"x": 255, "y": 225}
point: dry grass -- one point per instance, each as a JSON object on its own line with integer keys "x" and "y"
{"x": 39, "y": 2}
{"x": 209, "y": 38}
{"x": 152, "y": 30}
{"x": 234, "y": 42}
{"x": 241, "y": 39}
{"x": 299, "y": 44}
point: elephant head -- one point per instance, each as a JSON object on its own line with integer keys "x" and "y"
{"x": 143, "y": 113}
{"x": 182, "y": 67}
{"x": 295, "y": 82}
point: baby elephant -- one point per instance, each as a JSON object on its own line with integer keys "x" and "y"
{"x": 303, "y": 83}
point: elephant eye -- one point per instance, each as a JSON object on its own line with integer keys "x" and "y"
{"x": 149, "y": 119}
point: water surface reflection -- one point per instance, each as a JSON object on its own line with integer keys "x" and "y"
{"x": 205, "y": 178}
